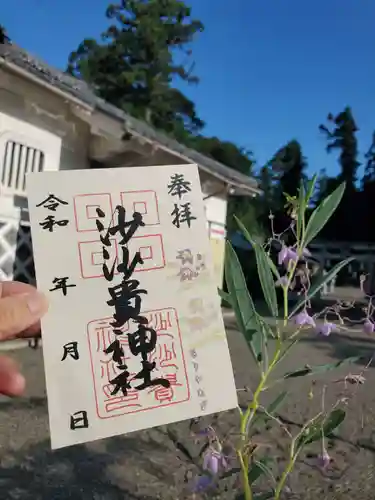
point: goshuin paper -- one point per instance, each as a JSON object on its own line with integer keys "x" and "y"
{"x": 134, "y": 336}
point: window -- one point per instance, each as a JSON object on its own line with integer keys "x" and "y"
{"x": 19, "y": 160}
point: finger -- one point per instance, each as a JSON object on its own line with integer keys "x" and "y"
{"x": 10, "y": 288}
{"x": 12, "y": 383}
{"x": 19, "y": 312}
{"x": 32, "y": 331}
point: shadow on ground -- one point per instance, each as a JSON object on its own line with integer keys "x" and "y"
{"x": 75, "y": 473}
{"x": 342, "y": 345}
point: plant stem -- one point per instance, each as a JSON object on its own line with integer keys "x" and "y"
{"x": 246, "y": 420}
{"x": 284, "y": 476}
{"x": 244, "y": 462}
{"x": 285, "y": 296}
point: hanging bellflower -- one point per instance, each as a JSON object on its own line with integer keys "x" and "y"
{"x": 287, "y": 256}
{"x": 304, "y": 319}
{"x": 368, "y": 326}
{"x": 327, "y": 328}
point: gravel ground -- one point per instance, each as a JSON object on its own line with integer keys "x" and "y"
{"x": 154, "y": 464}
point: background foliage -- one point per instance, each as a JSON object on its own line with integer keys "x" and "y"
{"x": 135, "y": 65}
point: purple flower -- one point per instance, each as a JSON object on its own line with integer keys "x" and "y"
{"x": 327, "y": 328}
{"x": 207, "y": 431}
{"x": 368, "y": 326}
{"x": 303, "y": 318}
{"x": 286, "y": 256}
{"x": 283, "y": 281}
{"x": 213, "y": 461}
{"x": 202, "y": 483}
{"x": 324, "y": 459}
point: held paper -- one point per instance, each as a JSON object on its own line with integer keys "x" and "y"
{"x": 134, "y": 336}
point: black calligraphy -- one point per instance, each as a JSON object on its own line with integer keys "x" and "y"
{"x": 52, "y": 203}
{"x": 70, "y": 349}
{"x": 178, "y": 186}
{"x": 61, "y": 284}
{"x": 79, "y": 420}
{"x": 126, "y": 300}
{"x": 182, "y": 212}
{"x": 50, "y": 222}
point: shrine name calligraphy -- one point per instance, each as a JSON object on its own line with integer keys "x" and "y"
{"x": 126, "y": 299}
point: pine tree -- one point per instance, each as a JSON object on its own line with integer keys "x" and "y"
{"x": 292, "y": 164}
{"x": 224, "y": 152}
{"x": 369, "y": 175}
{"x": 4, "y": 38}
{"x": 341, "y": 136}
{"x": 134, "y": 65}
{"x": 367, "y": 195}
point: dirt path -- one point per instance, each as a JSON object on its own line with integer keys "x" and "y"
{"x": 154, "y": 465}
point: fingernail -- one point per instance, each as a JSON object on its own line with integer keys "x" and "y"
{"x": 17, "y": 384}
{"x": 36, "y": 302}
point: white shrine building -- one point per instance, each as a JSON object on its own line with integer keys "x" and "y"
{"x": 51, "y": 121}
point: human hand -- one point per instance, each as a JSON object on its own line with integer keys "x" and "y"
{"x": 21, "y": 308}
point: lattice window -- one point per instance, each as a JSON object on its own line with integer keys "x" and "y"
{"x": 16, "y": 258}
{"x": 19, "y": 160}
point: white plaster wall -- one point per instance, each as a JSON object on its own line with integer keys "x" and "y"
{"x": 41, "y": 108}
{"x": 36, "y": 117}
{"x": 216, "y": 213}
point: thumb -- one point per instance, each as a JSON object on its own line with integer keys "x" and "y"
{"x": 19, "y": 312}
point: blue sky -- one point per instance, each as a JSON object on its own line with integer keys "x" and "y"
{"x": 270, "y": 70}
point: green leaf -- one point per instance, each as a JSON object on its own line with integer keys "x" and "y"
{"x": 322, "y": 213}
{"x": 310, "y": 189}
{"x": 315, "y": 287}
{"x": 258, "y": 468}
{"x": 323, "y": 426}
{"x": 301, "y": 210}
{"x": 264, "y": 271}
{"x": 277, "y": 402}
{"x": 271, "y": 408}
{"x": 286, "y": 351}
{"x": 318, "y": 369}
{"x": 273, "y": 267}
{"x": 334, "y": 420}
{"x": 225, "y": 297}
{"x": 242, "y": 303}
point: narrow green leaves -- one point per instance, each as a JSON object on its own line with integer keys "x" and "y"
{"x": 242, "y": 303}
{"x": 301, "y": 210}
{"x": 265, "y": 416}
{"x": 225, "y": 297}
{"x": 259, "y": 468}
{"x": 315, "y": 287}
{"x": 277, "y": 402}
{"x": 310, "y": 189}
{"x": 333, "y": 421}
{"x": 264, "y": 271}
{"x": 319, "y": 369}
{"x": 322, "y": 214}
{"x": 323, "y": 426}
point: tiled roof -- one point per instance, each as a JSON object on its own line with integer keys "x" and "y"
{"x": 84, "y": 93}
